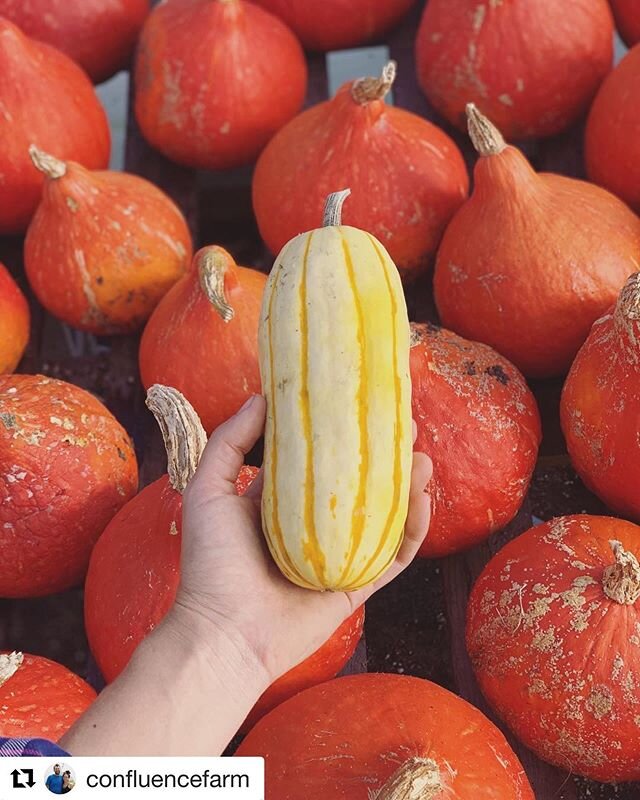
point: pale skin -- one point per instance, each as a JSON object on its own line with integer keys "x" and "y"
{"x": 237, "y": 624}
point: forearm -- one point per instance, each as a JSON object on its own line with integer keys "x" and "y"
{"x": 186, "y": 691}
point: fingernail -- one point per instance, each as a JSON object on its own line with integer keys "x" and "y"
{"x": 247, "y": 403}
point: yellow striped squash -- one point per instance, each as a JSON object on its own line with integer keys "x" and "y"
{"x": 334, "y": 360}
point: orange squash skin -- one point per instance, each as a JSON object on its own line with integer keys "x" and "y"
{"x": 103, "y": 248}
{"x": 14, "y": 322}
{"x": 539, "y": 257}
{"x": 612, "y": 136}
{"x": 407, "y": 177}
{"x": 600, "y": 407}
{"x": 66, "y": 467}
{"x": 47, "y": 101}
{"x": 132, "y": 583}
{"x": 189, "y": 346}
{"x": 555, "y": 656}
{"x": 337, "y": 24}
{"x": 479, "y": 423}
{"x": 42, "y": 700}
{"x": 215, "y": 79}
{"x": 345, "y": 738}
{"x": 99, "y": 35}
{"x": 627, "y": 16}
{"x": 532, "y": 66}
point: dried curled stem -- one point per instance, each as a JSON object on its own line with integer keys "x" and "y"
{"x": 333, "y": 208}
{"x": 213, "y": 265}
{"x": 628, "y": 305}
{"x": 486, "y": 138}
{"x": 9, "y": 665}
{"x": 621, "y": 580}
{"x": 183, "y": 434}
{"x": 366, "y": 90}
{"x": 417, "y": 779}
{"x": 52, "y": 167}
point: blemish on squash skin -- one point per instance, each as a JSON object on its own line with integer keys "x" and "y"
{"x": 332, "y": 505}
{"x": 8, "y": 420}
{"x": 173, "y": 529}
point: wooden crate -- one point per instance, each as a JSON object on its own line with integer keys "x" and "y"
{"x": 414, "y": 626}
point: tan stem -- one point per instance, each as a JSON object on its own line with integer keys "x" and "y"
{"x": 628, "y": 305}
{"x": 486, "y": 138}
{"x": 9, "y": 665}
{"x": 366, "y": 90}
{"x": 183, "y": 434}
{"x": 333, "y": 208}
{"x": 417, "y": 333}
{"x": 621, "y": 580}
{"x": 417, "y": 779}
{"x": 213, "y": 265}
{"x": 51, "y": 166}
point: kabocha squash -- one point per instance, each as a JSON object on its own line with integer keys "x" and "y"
{"x": 533, "y": 66}
{"x": 135, "y": 567}
{"x": 600, "y": 407}
{"x": 39, "y": 699}
{"x": 334, "y": 360}
{"x": 14, "y": 322}
{"x": 539, "y": 257}
{"x": 97, "y": 34}
{"x": 479, "y": 423}
{"x": 554, "y": 637}
{"x": 103, "y": 247}
{"x": 612, "y": 135}
{"x": 332, "y": 25}
{"x": 407, "y": 177}
{"x": 66, "y": 467}
{"x": 202, "y": 339}
{"x": 215, "y": 79}
{"x": 627, "y": 16}
{"x": 46, "y": 100}
{"x": 388, "y": 737}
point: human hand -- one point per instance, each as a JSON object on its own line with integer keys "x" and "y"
{"x": 229, "y": 580}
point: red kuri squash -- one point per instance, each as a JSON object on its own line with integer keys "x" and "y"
{"x": 103, "y": 247}
{"x": 600, "y": 407}
{"x": 627, "y": 16}
{"x": 97, "y": 34}
{"x": 67, "y": 467}
{"x": 203, "y": 337}
{"x": 46, "y": 100}
{"x": 533, "y": 66}
{"x": 337, "y": 24}
{"x": 554, "y": 637}
{"x": 39, "y": 699}
{"x": 389, "y": 737}
{"x": 407, "y": 177}
{"x": 14, "y": 322}
{"x": 538, "y": 257}
{"x": 136, "y": 564}
{"x": 612, "y": 138}
{"x": 215, "y": 79}
{"x": 479, "y": 423}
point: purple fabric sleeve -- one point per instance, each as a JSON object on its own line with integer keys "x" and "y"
{"x": 29, "y": 747}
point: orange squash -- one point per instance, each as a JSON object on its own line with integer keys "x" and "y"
{"x": 202, "y": 339}
{"x": 538, "y": 257}
{"x": 103, "y": 247}
{"x": 14, "y": 322}
{"x": 46, "y": 100}
{"x": 215, "y": 79}
{"x": 627, "y": 16}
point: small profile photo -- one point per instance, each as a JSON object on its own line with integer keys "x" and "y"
{"x": 60, "y": 778}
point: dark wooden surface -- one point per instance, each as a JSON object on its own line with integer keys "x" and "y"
{"x": 414, "y": 626}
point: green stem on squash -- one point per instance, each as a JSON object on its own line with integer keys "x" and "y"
{"x": 213, "y": 264}
{"x": 486, "y": 138}
{"x": 333, "y": 208}
{"x": 621, "y": 580}
{"x": 9, "y": 664}
{"x": 366, "y": 90}
{"x": 52, "y": 167}
{"x": 182, "y": 432}
{"x": 417, "y": 779}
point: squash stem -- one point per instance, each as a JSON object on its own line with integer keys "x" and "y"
{"x": 52, "y": 167}
{"x": 486, "y": 138}
{"x": 10, "y": 663}
{"x": 213, "y": 264}
{"x": 333, "y": 208}
{"x": 366, "y": 90}
{"x": 621, "y": 580}
{"x": 417, "y": 779}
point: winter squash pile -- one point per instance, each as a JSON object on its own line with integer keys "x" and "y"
{"x": 14, "y": 322}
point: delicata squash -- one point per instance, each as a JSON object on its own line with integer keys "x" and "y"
{"x": 334, "y": 361}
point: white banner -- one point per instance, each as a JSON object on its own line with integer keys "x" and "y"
{"x": 83, "y": 778}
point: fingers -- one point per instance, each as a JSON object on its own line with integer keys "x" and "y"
{"x": 224, "y": 454}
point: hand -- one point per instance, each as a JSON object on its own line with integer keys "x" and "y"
{"x": 228, "y": 578}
